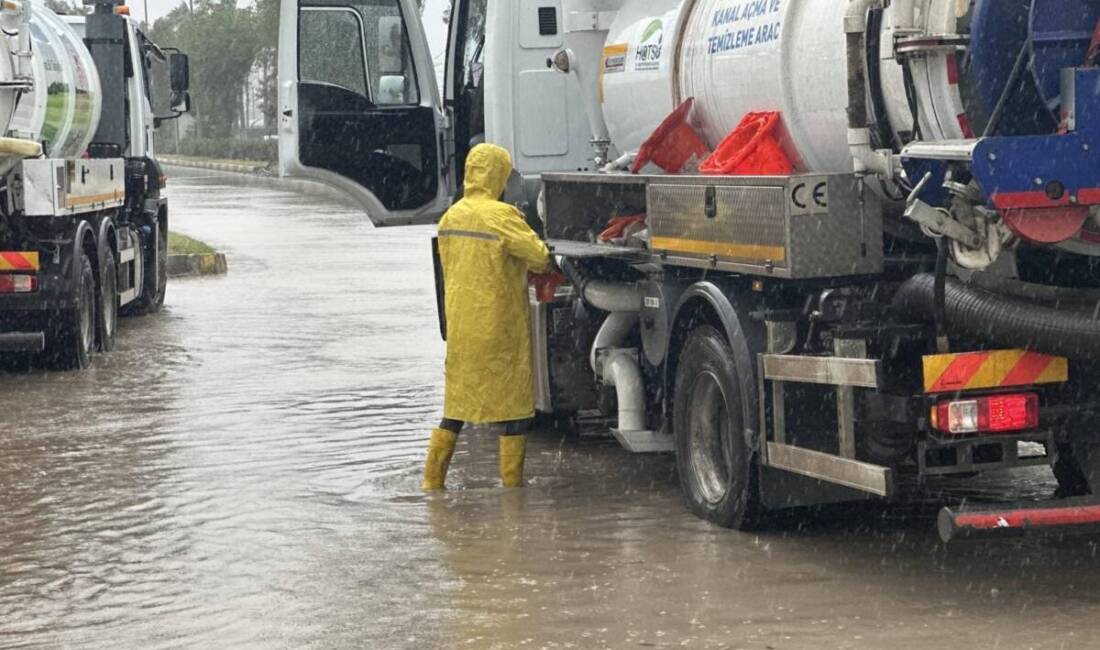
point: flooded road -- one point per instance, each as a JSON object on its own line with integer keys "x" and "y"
{"x": 243, "y": 472}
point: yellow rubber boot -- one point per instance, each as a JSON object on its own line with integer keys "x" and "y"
{"x": 512, "y": 450}
{"x": 440, "y": 450}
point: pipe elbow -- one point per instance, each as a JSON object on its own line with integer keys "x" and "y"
{"x": 612, "y": 297}
{"x": 621, "y": 371}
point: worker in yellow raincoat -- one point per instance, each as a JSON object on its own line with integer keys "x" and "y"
{"x": 486, "y": 250}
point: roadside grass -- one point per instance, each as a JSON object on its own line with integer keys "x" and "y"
{"x": 183, "y": 245}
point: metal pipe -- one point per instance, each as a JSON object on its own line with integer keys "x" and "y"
{"x": 613, "y": 297}
{"x": 621, "y": 370}
{"x": 612, "y": 334}
{"x": 859, "y": 133}
{"x": 904, "y": 15}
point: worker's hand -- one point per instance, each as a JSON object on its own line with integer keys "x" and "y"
{"x": 546, "y": 284}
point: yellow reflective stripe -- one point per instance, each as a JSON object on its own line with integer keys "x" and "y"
{"x": 472, "y": 234}
{"x": 995, "y": 369}
{"x": 1056, "y": 372}
{"x": 19, "y": 261}
{"x": 721, "y": 249}
{"x": 992, "y": 369}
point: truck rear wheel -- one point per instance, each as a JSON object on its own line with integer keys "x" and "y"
{"x": 71, "y": 343}
{"x": 107, "y": 314}
{"x": 150, "y": 302}
{"x": 717, "y": 468}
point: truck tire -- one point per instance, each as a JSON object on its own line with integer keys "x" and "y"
{"x": 107, "y": 312}
{"x": 151, "y": 302}
{"x": 717, "y": 469}
{"x": 71, "y": 342}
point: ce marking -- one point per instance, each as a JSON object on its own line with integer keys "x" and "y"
{"x": 801, "y": 196}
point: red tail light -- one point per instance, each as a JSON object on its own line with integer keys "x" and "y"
{"x": 18, "y": 283}
{"x": 991, "y": 414}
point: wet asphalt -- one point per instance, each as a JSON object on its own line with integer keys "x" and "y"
{"x": 243, "y": 472}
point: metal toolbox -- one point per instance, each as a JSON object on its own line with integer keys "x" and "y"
{"x": 55, "y": 187}
{"x": 796, "y": 227}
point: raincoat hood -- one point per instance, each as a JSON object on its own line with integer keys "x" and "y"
{"x": 487, "y": 170}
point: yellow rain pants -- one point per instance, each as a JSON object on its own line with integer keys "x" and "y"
{"x": 486, "y": 249}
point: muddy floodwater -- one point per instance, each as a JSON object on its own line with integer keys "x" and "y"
{"x": 243, "y": 472}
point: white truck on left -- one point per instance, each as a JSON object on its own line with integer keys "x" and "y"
{"x": 83, "y": 216}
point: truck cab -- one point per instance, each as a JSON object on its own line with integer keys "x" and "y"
{"x": 378, "y": 125}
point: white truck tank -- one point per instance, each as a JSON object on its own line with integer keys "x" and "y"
{"x": 733, "y": 57}
{"x": 739, "y": 56}
{"x": 62, "y": 109}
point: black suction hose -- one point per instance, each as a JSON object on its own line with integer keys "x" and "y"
{"x": 1041, "y": 293}
{"x": 972, "y": 312}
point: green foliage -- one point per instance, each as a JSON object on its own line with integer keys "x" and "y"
{"x": 223, "y": 41}
{"x": 228, "y": 149}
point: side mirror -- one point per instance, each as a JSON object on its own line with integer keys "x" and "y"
{"x": 180, "y": 69}
{"x": 181, "y": 101}
{"x": 391, "y": 90}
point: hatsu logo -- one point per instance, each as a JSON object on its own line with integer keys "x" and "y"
{"x": 648, "y": 54}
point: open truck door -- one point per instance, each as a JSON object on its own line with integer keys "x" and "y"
{"x": 360, "y": 107}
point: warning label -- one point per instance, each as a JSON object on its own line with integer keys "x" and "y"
{"x": 614, "y": 58}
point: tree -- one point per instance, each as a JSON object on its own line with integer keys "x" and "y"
{"x": 223, "y": 41}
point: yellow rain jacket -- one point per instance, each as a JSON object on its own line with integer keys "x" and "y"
{"x": 486, "y": 249}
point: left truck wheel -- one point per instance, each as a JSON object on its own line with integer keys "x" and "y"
{"x": 107, "y": 313}
{"x": 72, "y": 339}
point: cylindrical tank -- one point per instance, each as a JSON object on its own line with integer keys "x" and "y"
{"x": 638, "y": 62}
{"x": 739, "y": 56}
{"x": 733, "y": 57}
{"x": 62, "y": 110}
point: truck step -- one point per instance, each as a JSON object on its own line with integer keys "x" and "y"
{"x": 855, "y": 474}
{"x": 644, "y": 442}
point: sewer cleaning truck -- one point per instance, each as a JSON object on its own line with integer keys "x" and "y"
{"x": 84, "y": 219}
{"x": 907, "y": 298}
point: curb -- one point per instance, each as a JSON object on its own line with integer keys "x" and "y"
{"x": 185, "y": 265}
{"x": 216, "y": 166}
{"x": 262, "y": 176}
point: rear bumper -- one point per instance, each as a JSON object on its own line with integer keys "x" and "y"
{"x": 1066, "y": 516}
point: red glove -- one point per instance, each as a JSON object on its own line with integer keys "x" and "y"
{"x": 546, "y": 284}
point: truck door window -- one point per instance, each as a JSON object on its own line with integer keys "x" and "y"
{"x": 359, "y": 102}
{"x": 331, "y": 48}
{"x": 389, "y": 63}
{"x": 361, "y": 47}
